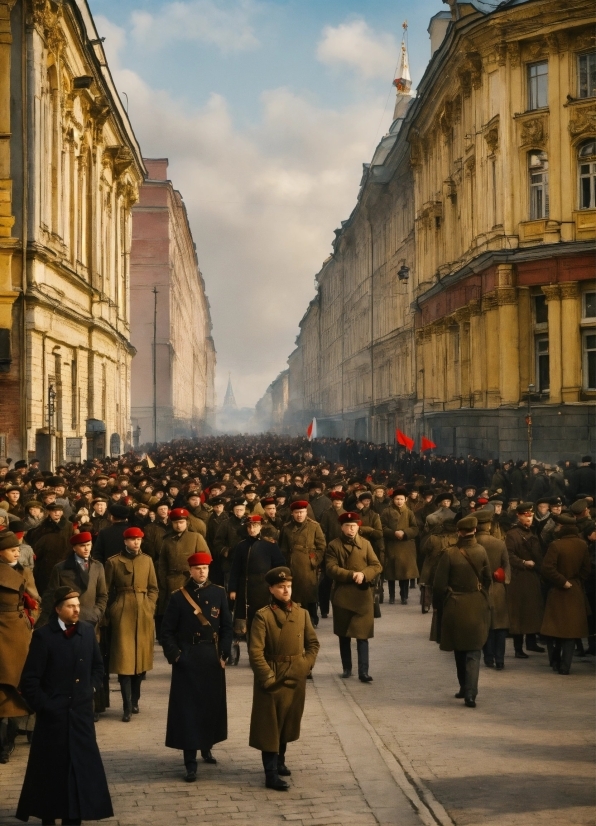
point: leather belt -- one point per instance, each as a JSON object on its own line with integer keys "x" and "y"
{"x": 195, "y": 639}
{"x": 10, "y": 608}
{"x": 287, "y": 658}
{"x": 128, "y": 589}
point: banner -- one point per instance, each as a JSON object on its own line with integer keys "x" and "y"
{"x": 404, "y": 440}
{"x": 311, "y": 430}
{"x": 426, "y": 444}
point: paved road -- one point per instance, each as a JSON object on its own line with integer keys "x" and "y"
{"x": 400, "y": 750}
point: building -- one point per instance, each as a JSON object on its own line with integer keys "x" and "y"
{"x": 173, "y": 372}
{"x": 271, "y": 409}
{"x": 70, "y": 172}
{"x": 461, "y": 288}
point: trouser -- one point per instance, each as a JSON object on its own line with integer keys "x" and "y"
{"x": 345, "y": 652}
{"x": 518, "y": 641}
{"x": 66, "y": 821}
{"x": 404, "y": 587}
{"x": 311, "y": 607}
{"x": 9, "y": 728}
{"x": 324, "y": 593}
{"x": 426, "y": 598}
{"x": 494, "y": 650}
{"x": 560, "y": 653}
{"x": 130, "y": 687}
{"x": 467, "y": 664}
{"x": 190, "y": 758}
{"x": 391, "y": 586}
{"x": 272, "y": 760}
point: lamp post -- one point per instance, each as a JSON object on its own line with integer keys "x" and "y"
{"x": 529, "y": 424}
{"x": 51, "y": 411}
{"x": 155, "y": 293}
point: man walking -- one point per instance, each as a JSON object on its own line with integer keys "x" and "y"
{"x": 303, "y": 546}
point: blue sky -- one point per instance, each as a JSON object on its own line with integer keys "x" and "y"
{"x": 266, "y": 111}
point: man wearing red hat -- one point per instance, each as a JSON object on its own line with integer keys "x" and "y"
{"x": 353, "y": 566}
{"x": 177, "y": 546}
{"x": 132, "y": 597}
{"x": 196, "y": 636}
{"x": 332, "y": 529}
{"x": 303, "y": 546}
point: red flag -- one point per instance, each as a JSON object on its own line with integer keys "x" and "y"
{"x": 311, "y": 430}
{"x": 404, "y": 440}
{"x": 426, "y": 444}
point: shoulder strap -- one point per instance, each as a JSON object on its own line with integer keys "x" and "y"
{"x": 196, "y": 608}
{"x": 467, "y": 558}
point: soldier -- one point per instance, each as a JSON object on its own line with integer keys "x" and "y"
{"x": 496, "y": 550}
{"x": 461, "y": 585}
{"x": 353, "y": 566}
{"x": 228, "y": 535}
{"x": 252, "y": 500}
{"x": 399, "y": 530}
{"x": 332, "y": 529}
{"x": 272, "y": 523}
{"x": 132, "y": 597}
{"x": 319, "y": 502}
{"x": 196, "y": 636}
{"x": 524, "y": 595}
{"x": 432, "y": 546}
{"x": 176, "y": 547}
{"x": 372, "y": 529}
{"x": 50, "y": 544}
{"x": 303, "y": 546}
{"x": 282, "y": 649}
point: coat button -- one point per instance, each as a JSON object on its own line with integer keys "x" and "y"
{"x": 77, "y": 680}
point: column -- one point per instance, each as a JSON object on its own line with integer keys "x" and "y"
{"x": 508, "y": 345}
{"x": 553, "y": 298}
{"x": 463, "y": 319}
{"x": 7, "y": 242}
{"x": 571, "y": 335}
{"x": 491, "y": 329}
{"x": 524, "y": 327}
{"x": 477, "y": 373}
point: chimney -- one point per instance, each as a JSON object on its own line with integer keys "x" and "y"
{"x": 157, "y": 168}
{"x": 437, "y": 29}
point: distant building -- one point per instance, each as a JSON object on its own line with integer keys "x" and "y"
{"x": 229, "y": 401}
{"x": 164, "y": 258}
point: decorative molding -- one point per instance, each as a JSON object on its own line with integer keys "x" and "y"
{"x": 569, "y": 290}
{"x": 583, "y": 122}
{"x": 489, "y": 302}
{"x": 584, "y": 41}
{"x": 534, "y": 133}
{"x": 552, "y": 292}
{"x": 491, "y": 136}
{"x": 514, "y": 52}
{"x": 506, "y": 295}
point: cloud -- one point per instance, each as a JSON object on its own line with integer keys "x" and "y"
{"x": 262, "y": 202}
{"x": 356, "y": 45}
{"x": 226, "y": 24}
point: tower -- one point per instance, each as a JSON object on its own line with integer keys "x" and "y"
{"x": 229, "y": 400}
{"x": 403, "y": 81}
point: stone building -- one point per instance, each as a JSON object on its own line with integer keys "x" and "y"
{"x": 70, "y": 168}
{"x": 181, "y": 403}
{"x": 463, "y": 281}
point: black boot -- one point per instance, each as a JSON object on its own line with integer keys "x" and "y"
{"x": 126, "y": 690}
{"x": 345, "y": 652}
{"x": 208, "y": 756}
{"x": 391, "y": 585}
{"x": 272, "y": 778}
{"x": 135, "y": 692}
{"x": 282, "y": 769}
{"x": 363, "y": 675}
{"x": 190, "y": 764}
{"x": 8, "y": 735}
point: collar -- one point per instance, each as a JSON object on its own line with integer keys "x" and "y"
{"x": 277, "y": 604}
{"x": 61, "y": 624}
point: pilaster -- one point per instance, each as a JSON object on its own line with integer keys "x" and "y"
{"x": 7, "y": 242}
{"x": 555, "y": 356}
{"x": 492, "y": 350}
{"x": 570, "y": 334}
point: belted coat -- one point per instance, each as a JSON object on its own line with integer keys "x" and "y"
{"x": 567, "y": 560}
{"x": 15, "y": 635}
{"x": 496, "y": 550}
{"x": 303, "y": 546}
{"x": 400, "y": 554}
{"x": 353, "y": 605}
{"x": 172, "y": 567}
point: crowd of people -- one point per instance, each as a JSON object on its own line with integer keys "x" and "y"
{"x": 209, "y": 542}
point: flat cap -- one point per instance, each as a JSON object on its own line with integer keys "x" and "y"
{"x": 468, "y": 523}
{"x": 525, "y": 507}
{"x": 484, "y": 516}
{"x": 579, "y": 506}
{"x": 277, "y": 575}
{"x": 8, "y": 540}
{"x": 63, "y": 593}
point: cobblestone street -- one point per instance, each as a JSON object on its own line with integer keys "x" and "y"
{"x": 401, "y": 750}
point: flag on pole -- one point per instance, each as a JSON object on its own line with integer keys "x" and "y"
{"x": 426, "y": 444}
{"x": 404, "y": 440}
{"x": 145, "y": 458}
{"x": 311, "y": 430}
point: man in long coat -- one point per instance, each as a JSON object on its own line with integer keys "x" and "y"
{"x": 525, "y": 604}
{"x": 460, "y": 587}
{"x": 303, "y": 546}
{"x": 399, "y": 530}
{"x": 132, "y": 597}
{"x": 353, "y": 566}
{"x": 50, "y": 544}
{"x": 197, "y": 644}
{"x": 282, "y": 650}
{"x": 177, "y": 546}
{"x": 65, "y": 777}
{"x": 330, "y": 526}
{"x": 496, "y": 550}
{"x": 565, "y": 567}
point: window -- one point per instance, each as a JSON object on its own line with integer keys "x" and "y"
{"x": 586, "y": 161}
{"x": 538, "y": 85}
{"x": 542, "y": 364}
{"x": 589, "y": 305}
{"x": 540, "y": 309}
{"x": 586, "y": 74}
{"x": 538, "y": 172}
{"x": 589, "y": 341}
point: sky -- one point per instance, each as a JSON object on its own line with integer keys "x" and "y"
{"x": 266, "y": 112}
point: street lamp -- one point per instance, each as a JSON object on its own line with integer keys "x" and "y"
{"x": 529, "y": 424}
{"x": 403, "y": 273}
{"x": 51, "y": 411}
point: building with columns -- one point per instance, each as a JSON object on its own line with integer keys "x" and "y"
{"x": 70, "y": 168}
{"x": 461, "y": 288}
{"x": 170, "y": 329}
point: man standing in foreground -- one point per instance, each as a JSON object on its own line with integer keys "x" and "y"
{"x": 65, "y": 777}
{"x": 196, "y": 636}
{"x": 282, "y": 649}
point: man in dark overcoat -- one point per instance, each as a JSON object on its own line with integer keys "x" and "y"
{"x": 303, "y": 544}
{"x": 330, "y": 526}
{"x": 196, "y": 636}
{"x": 282, "y": 649}
{"x": 50, "y": 544}
{"x": 65, "y": 777}
{"x": 525, "y": 603}
{"x": 353, "y": 566}
{"x": 496, "y": 550}
{"x": 110, "y": 540}
{"x": 461, "y": 586}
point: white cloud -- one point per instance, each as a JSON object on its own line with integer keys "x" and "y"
{"x": 263, "y": 204}
{"x": 226, "y": 24}
{"x": 356, "y": 45}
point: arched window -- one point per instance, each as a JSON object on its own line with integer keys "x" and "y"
{"x": 538, "y": 178}
{"x": 586, "y": 162}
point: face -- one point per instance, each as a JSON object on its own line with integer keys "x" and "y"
{"x": 59, "y": 490}
{"x": 69, "y": 610}
{"x": 194, "y": 501}
{"x": 102, "y": 483}
{"x": 83, "y": 550}
{"x": 251, "y": 496}
{"x": 56, "y": 515}
{"x": 525, "y": 519}
{"x": 556, "y": 509}
{"x": 542, "y": 508}
{"x": 13, "y": 496}
{"x": 498, "y": 506}
{"x": 337, "y": 504}
{"x": 469, "y": 492}
{"x": 100, "y": 508}
{"x": 35, "y": 513}
{"x": 162, "y": 511}
{"x": 299, "y": 515}
{"x": 10, "y": 555}
{"x": 199, "y": 573}
{"x": 133, "y": 545}
{"x": 270, "y": 511}
{"x": 349, "y": 529}
{"x": 379, "y": 493}
{"x": 218, "y": 509}
{"x": 444, "y": 503}
{"x": 253, "y": 528}
{"x": 116, "y": 495}
{"x": 282, "y": 591}
{"x": 174, "y": 492}
{"x": 399, "y": 500}
{"x": 239, "y": 511}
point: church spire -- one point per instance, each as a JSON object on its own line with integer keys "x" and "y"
{"x": 403, "y": 81}
{"x": 229, "y": 400}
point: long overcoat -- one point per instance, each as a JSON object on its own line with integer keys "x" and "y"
{"x": 372, "y": 529}
{"x": 400, "y": 554}
{"x": 132, "y": 597}
{"x": 65, "y": 777}
{"x": 282, "y": 650}
{"x": 465, "y": 619}
{"x": 172, "y": 568}
{"x": 252, "y": 559}
{"x": 496, "y": 550}
{"x": 303, "y": 546}
{"x": 197, "y": 711}
{"x": 15, "y": 635}
{"x": 353, "y": 605}
{"x": 524, "y": 594}
{"x": 51, "y": 545}
{"x": 567, "y": 560}
{"x": 91, "y": 585}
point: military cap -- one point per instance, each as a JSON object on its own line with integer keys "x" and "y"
{"x": 8, "y": 540}
{"x": 365, "y": 494}
{"x": 216, "y": 500}
{"x": 555, "y": 501}
{"x": 18, "y": 527}
{"x": 467, "y": 524}
{"x": 80, "y": 538}
{"x": 56, "y": 481}
{"x": 559, "y": 518}
{"x": 250, "y": 488}
{"x": 497, "y": 497}
{"x": 21, "y": 463}
{"x": 12, "y": 487}
{"x": 482, "y": 500}
{"x": 579, "y": 506}
{"x": 484, "y": 516}
{"x": 133, "y": 533}
{"x": 525, "y": 507}
{"x": 54, "y": 506}
{"x": 200, "y": 558}
{"x": 350, "y": 516}
{"x": 63, "y": 593}
{"x": 277, "y": 575}
{"x": 544, "y": 500}
{"x": 337, "y": 495}
{"x": 192, "y": 493}
{"x": 440, "y": 497}
{"x": 178, "y": 513}
{"x": 399, "y": 491}
{"x": 315, "y": 484}
{"x": 254, "y": 518}
{"x": 267, "y": 500}
{"x": 239, "y": 500}
{"x": 299, "y": 505}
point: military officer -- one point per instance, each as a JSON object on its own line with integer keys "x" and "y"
{"x": 496, "y": 550}
{"x": 196, "y": 636}
{"x": 524, "y": 595}
{"x": 353, "y": 566}
{"x": 400, "y": 530}
{"x": 460, "y": 586}
{"x": 303, "y": 546}
{"x": 172, "y": 571}
{"x": 282, "y": 649}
